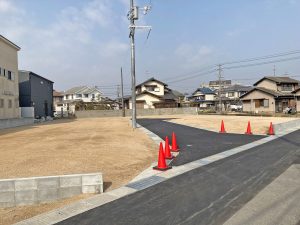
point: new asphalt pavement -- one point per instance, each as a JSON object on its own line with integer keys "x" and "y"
{"x": 208, "y": 195}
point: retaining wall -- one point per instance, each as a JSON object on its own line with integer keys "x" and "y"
{"x": 34, "y": 190}
{"x": 140, "y": 112}
{"x": 10, "y": 123}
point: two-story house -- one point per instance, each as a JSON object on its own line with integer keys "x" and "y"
{"x": 203, "y": 97}
{"x": 58, "y": 98}
{"x": 37, "y": 92}
{"x": 9, "y": 86}
{"x": 271, "y": 94}
{"x": 83, "y": 93}
{"x": 154, "y": 94}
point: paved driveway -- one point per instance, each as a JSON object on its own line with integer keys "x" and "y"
{"x": 196, "y": 143}
{"x": 207, "y": 195}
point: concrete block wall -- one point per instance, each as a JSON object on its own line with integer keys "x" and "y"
{"x": 10, "y": 123}
{"x": 34, "y": 190}
{"x": 140, "y": 112}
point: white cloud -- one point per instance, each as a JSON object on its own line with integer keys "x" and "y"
{"x": 193, "y": 56}
{"x": 74, "y": 49}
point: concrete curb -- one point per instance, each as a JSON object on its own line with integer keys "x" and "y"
{"x": 66, "y": 212}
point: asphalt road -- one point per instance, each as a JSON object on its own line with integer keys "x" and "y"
{"x": 196, "y": 143}
{"x": 207, "y": 195}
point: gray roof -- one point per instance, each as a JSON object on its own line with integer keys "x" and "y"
{"x": 34, "y": 74}
{"x": 151, "y": 79}
{"x": 237, "y": 87}
{"x": 268, "y": 91}
{"x": 82, "y": 90}
{"x": 279, "y": 80}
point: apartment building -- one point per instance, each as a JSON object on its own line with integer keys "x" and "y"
{"x": 9, "y": 86}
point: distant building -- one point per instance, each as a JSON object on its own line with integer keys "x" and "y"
{"x": 58, "y": 98}
{"x": 153, "y": 93}
{"x": 9, "y": 86}
{"x": 216, "y": 84}
{"x": 37, "y": 92}
{"x": 272, "y": 94}
{"x": 203, "y": 97}
{"x": 83, "y": 93}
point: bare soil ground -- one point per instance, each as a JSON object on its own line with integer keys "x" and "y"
{"x": 233, "y": 124}
{"x": 107, "y": 145}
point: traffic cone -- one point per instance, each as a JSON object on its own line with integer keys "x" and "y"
{"x": 271, "y": 130}
{"x": 174, "y": 143}
{"x": 168, "y": 154}
{"x": 161, "y": 164}
{"x": 222, "y": 127}
{"x": 248, "y": 131}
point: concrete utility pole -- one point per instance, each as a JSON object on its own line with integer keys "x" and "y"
{"x": 274, "y": 70}
{"x": 132, "y": 16}
{"x": 122, "y": 94}
{"x": 220, "y": 87}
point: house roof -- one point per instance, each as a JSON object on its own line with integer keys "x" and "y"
{"x": 237, "y": 87}
{"x": 10, "y": 43}
{"x": 204, "y": 90}
{"x": 36, "y": 75}
{"x": 149, "y": 93}
{"x": 278, "y": 80}
{"x": 82, "y": 90}
{"x": 152, "y": 79}
{"x": 57, "y": 94}
{"x": 267, "y": 91}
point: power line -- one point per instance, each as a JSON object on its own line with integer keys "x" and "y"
{"x": 263, "y": 63}
{"x": 194, "y": 76}
{"x": 263, "y": 57}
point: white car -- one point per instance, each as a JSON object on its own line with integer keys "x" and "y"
{"x": 236, "y": 107}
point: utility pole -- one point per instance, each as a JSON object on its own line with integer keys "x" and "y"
{"x": 122, "y": 94}
{"x": 274, "y": 70}
{"x": 132, "y": 16}
{"x": 220, "y": 87}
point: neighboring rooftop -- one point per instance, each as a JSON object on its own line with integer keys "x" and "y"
{"x": 237, "y": 87}
{"x": 10, "y": 42}
{"x": 204, "y": 90}
{"x": 34, "y": 74}
{"x": 268, "y": 91}
{"x": 57, "y": 94}
{"x": 278, "y": 80}
{"x": 82, "y": 90}
{"x": 223, "y": 82}
{"x": 152, "y": 79}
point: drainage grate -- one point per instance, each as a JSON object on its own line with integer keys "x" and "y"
{"x": 146, "y": 182}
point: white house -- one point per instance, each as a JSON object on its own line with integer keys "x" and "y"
{"x": 154, "y": 94}
{"x": 203, "y": 97}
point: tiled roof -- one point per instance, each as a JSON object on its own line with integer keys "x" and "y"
{"x": 279, "y": 80}
{"x": 237, "y": 87}
{"x": 268, "y": 91}
{"x": 82, "y": 90}
{"x": 57, "y": 94}
{"x": 151, "y": 79}
{"x": 204, "y": 90}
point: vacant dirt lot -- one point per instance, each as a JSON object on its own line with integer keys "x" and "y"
{"x": 233, "y": 124}
{"x": 107, "y": 145}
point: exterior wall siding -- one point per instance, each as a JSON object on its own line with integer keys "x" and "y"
{"x": 267, "y": 84}
{"x": 9, "y": 89}
{"x": 249, "y": 102}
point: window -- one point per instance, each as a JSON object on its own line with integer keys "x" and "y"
{"x": 261, "y": 103}
{"x": 0, "y": 71}
{"x": 230, "y": 94}
{"x": 286, "y": 87}
{"x": 9, "y": 103}
{"x": 93, "y": 95}
{"x": 17, "y": 103}
{"x": 150, "y": 88}
{"x": 67, "y": 96}
{"x": 1, "y": 103}
{"x": 9, "y": 75}
{"x": 78, "y": 95}
{"x": 86, "y": 95}
{"x": 4, "y": 72}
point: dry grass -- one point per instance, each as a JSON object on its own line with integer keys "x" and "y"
{"x": 233, "y": 124}
{"x": 107, "y": 145}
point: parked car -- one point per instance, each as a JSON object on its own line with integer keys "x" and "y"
{"x": 236, "y": 108}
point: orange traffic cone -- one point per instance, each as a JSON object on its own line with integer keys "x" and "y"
{"x": 271, "y": 130}
{"x": 161, "y": 164}
{"x": 174, "y": 143}
{"x": 168, "y": 154}
{"x": 248, "y": 131}
{"x": 222, "y": 127}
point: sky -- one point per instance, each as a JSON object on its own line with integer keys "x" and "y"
{"x": 86, "y": 42}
